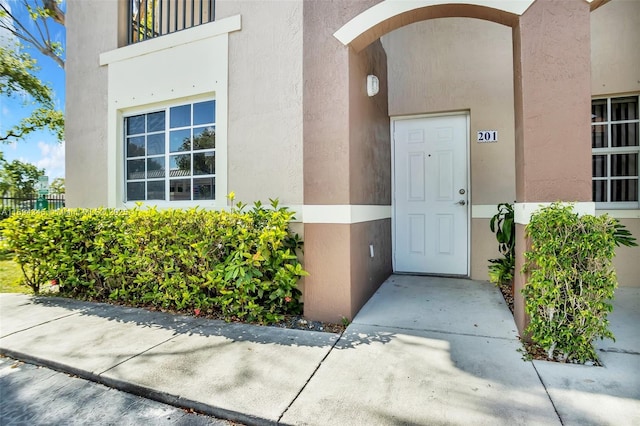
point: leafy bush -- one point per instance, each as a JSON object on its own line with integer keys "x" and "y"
{"x": 504, "y": 226}
{"x": 238, "y": 264}
{"x": 572, "y": 280}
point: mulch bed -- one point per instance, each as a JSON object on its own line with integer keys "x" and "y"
{"x": 507, "y": 293}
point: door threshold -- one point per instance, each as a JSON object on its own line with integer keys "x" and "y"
{"x": 426, "y": 274}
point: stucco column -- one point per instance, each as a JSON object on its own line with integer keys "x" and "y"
{"x": 346, "y": 165}
{"x": 552, "y": 88}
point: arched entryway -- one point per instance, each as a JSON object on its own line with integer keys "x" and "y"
{"x": 551, "y": 101}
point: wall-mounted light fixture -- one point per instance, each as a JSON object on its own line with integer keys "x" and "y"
{"x": 373, "y": 85}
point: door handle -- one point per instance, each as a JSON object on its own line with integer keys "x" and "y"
{"x": 462, "y": 202}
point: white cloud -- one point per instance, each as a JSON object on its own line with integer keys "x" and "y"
{"x": 52, "y": 159}
{"x": 6, "y": 38}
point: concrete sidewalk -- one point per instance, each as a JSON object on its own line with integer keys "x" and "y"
{"x": 422, "y": 351}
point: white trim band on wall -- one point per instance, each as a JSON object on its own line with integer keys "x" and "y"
{"x": 486, "y": 211}
{"x": 483, "y": 211}
{"x": 620, "y": 214}
{"x": 343, "y": 214}
{"x": 523, "y": 211}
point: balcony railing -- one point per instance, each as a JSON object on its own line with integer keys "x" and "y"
{"x": 154, "y": 18}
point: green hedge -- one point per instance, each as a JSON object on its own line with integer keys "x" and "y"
{"x": 571, "y": 280}
{"x": 239, "y": 264}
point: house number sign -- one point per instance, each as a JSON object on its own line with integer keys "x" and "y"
{"x": 485, "y": 136}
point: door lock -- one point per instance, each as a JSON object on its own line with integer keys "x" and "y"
{"x": 462, "y": 202}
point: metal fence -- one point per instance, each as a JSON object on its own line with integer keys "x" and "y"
{"x": 14, "y": 204}
{"x": 153, "y": 18}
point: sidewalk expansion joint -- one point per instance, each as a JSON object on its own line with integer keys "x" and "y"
{"x": 43, "y": 323}
{"x": 430, "y": 330}
{"x": 619, "y": 351}
{"x": 555, "y": 409}
{"x": 310, "y": 377}
{"x": 147, "y": 350}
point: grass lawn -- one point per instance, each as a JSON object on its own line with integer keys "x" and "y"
{"x": 10, "y": 277}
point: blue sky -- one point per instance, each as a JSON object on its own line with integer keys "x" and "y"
{"x": 38, "y": 148}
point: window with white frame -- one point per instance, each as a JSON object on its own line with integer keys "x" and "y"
{"x": 615, "y": 143}
{"x": 170, "y": 154}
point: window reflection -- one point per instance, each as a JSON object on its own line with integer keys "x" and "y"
{"x": 180, "y": 116}
{"x": 180, "y": 165}
{"x": 180, "y": 140}
{"x": 187, "y": 150}
{"x": 179, "y": 189}
{"x": 204, "y": 112}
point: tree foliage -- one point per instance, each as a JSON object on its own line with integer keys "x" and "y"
{"x": 203, "y": 164}
{"x": 38, "y": 34}
{"x": 18, "y": 79}
{"x": 18, "y": 179}
{"x": 56, "y": 187}
{"x": 18, "y": 68}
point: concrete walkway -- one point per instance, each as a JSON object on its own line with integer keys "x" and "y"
{"x": 422, "y": 351}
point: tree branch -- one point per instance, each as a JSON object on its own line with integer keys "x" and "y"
{"x": 43, "y": 44}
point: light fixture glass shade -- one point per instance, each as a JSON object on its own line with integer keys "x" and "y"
{"x": 373, "y": 85}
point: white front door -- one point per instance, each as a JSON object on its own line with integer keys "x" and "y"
{"x": 431, "y": 195}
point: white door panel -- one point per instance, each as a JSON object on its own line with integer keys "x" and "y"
{"x": 430, "y": 184}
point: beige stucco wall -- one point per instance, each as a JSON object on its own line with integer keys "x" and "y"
{"x": 264, "y": 107}
{"x": 370, "y": 145}
{"x": 615, "y": 70}
{"x": 462, "y": 64}
{"x": 615, "y": 50}
{"x": 86, "y": 100}
{"x": 626, "y": 260}
{"x": 265, "y": 100}
{"x": 483, "y": 247}
{"x": 346, "y": 162}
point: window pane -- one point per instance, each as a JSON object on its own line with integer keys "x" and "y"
{"x": 135, "y": 191}
{"x": 624, "y": 134}
{"x": 204, "y": 137}
{"x": 155, "y": 122}
{"x": 135, "y": 170}
{"x": 204, "y": 163}
{"x": 599, "y": 136}
{"x": 155, "y": 144}
{"x": 147, "y": 156}
{"x": 599, "y": 166}
{"x": 204, "y": 188}
{"x": 135, "y": 146}
{"x": 598, "y": 110}
{"x": 624, "y": 108}
{"x": 204, "y": 113}
{"x": 180, "y": 165}
{"x": 624, "y": 190}
{"x": 155, "y": 167}
{"x": 179, "y": 189}
{"x": 599, "y": 191}
{"x": 180, "y": 116}
{"x": 624, "y": 165}
{"x": 180, "y": 140}
{"x": 155, "y": 190}
{"x": 135, "y": 124}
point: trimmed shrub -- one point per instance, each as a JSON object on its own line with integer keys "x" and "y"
{"x": 571, "y": 280}
{"x": 240, "y": 264}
